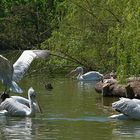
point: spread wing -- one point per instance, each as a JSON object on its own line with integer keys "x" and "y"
{"x": 6, "y": 71}
{"x": 24, "y": 61}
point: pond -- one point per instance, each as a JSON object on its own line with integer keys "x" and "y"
{"x": 71, "y": 111}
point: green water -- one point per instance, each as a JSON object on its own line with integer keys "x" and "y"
{"x": 71, "y": 111}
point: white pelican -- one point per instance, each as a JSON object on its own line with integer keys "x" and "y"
{"x": 13, "y": 107}
{"x": 19, "y": 99}
{"x": 10, "y": 74}
{"x": 89, "y": 76}
{"x": 129, "y": 109}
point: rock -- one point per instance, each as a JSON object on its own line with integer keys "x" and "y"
{"x": 98, "y": 87}
{"x": 129, "y": 92}
{"x": 133, "y": 79}
{"x": 109, "y": 75}
{"x": 113, "y": 88}
{"x": 136, "y": 88}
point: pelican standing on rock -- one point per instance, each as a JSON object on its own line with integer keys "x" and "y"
{"x": 89, "y": 76}
{"x": 10, "y": 74}
{"x": 129, "y": 109}
{"x": 12, "y": 107}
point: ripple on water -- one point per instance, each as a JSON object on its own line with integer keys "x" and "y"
{"x": 87, "y": 119}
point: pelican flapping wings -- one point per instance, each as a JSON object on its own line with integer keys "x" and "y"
{"x": 10, "y": 74}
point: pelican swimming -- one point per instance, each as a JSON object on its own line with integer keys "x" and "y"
{"x": 13, "y": 107}
{"x": 19, "y": 99}
{"x": 10, "y": 74}
{"x": 89, "y": 76}
{"x": 129, "y": 109}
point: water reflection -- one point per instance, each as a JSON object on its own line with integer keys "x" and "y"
{"x": 17, "y": 128}
{"x": 86, "y": 85}
{"x": 127, "y": 129}
{"x": 106, "y": 101}
{"x": 71, "y": 111}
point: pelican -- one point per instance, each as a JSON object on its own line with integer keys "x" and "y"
{"x": 12, "y": 107}
{"x": 89, "y": 76}
{"x": 129, "y": 108}
{"x": 10, "y": 74}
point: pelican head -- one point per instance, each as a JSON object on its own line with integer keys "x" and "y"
{"x": 78, "y": 70}
{"x": 31, "y": 94}
{"x": 32, "y": 98}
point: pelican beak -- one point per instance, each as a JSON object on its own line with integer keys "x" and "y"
{"x": 72, "y": 73}
{"x": 38, "y": 107}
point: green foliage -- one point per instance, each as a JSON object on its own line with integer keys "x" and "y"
{"x": 125, "y": 39}
{"x": 24, "y": 24}
{"x": 102, "y": 35}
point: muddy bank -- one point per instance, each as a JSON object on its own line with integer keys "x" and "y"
{"x": 112, "y": 88}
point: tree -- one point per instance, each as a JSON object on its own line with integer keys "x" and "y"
{"x": 24, "y": 24}
{"x": 101, "y": 35}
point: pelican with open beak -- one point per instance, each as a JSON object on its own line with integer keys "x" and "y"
{"x": 89, "y": 76}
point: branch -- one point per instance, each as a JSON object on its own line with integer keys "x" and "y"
{"x": 68, "y": 57}
{"x": 118, "y": 20}
{"x": 90, "y": 12}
